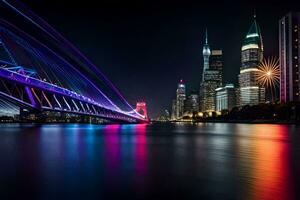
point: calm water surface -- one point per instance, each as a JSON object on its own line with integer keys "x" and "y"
{"x": 158, "y": 161}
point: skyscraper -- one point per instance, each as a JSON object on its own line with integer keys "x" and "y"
{"x": 174, "y": 111}
{"x": 211, "y": 77}
{"x": 216, "y": 64}
{"x": 191, "y": 103}
{"x": 289, "y": 57}
{"x": 206, "y": 53}
{"x": 180, "y": 98}
{"x": 250, "y": 93}
{"x": 225, "y": 97}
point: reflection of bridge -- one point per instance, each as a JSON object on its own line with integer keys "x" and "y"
{"x": 46, "y": 73}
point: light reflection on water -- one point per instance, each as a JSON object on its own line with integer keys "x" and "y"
{"x": 213, "y": 161}
{"x": 271, "y": 167}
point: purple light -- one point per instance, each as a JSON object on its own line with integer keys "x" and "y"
{"x": 52, "y": 59}
{"x": 30, "y": 96}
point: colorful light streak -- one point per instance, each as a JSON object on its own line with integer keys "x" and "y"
{"x": 69, "y": 49}
{"x": 52, "y": 61}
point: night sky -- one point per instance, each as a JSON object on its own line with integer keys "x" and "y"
{"x": 145, "y": 47}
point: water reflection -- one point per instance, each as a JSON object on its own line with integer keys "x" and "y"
{"x": 140, "y": 150}
{"x": 187, "y": 161}
{"x": 112, "y": 152}
{"x": 125, "y": 153}
{"x": 271, "y": 169}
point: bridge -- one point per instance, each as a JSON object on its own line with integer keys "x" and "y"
{"x": 43, "y": 71}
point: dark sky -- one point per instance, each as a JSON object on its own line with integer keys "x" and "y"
{"x": 145, "y": 47}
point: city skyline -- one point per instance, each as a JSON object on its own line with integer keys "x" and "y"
{"x": 150, "y": 47}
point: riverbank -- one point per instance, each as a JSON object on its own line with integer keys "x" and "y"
{"x": 260, "y": 121}
{"x": 234, "y": 121}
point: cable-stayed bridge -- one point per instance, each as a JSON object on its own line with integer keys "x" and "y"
{"x": 40, "y": 70}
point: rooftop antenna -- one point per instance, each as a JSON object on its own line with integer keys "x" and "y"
{"x": 206, "y": 36}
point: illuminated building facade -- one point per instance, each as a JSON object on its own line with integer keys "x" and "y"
{"x": 211, "y": 78}
{"x": 225, "y": 97}
{"x": 216, "y": 64}
{"x": 206, "y": 54}
{"x": 207, "y": 91}
{"x": 289, "y": 57}
{"x": 180, "y": 98}
{"x": 192, "y": 103}
{"x": 250, "y": 93}
{"x": 173, "y": 112}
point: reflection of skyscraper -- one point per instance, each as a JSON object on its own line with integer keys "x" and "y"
{"x": 211, "y": 77}
{"x": 289, "y": 55}
{"x": 250, "y": 93}
{"x": 180, "y": 97}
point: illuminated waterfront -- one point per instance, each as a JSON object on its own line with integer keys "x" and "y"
{"x": 211, "y": 161}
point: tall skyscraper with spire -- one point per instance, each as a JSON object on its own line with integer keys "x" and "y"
{"x": 250, "y": 93}
{"x": 180, "y": 98}
{"x": 211, "y": 76}
{"x": 206, "y": 53}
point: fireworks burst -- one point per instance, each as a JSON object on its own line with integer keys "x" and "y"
{"x": 268, "y": 74}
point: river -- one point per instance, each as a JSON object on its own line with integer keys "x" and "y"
{"x": 156, "y": 161}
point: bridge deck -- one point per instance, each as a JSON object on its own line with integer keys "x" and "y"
{"x": 54, "y": 89}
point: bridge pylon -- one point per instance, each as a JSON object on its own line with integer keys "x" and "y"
{"x": 141, "y": 108}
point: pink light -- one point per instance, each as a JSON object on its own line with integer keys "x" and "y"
{"x": 112, "y": 150}
{"x": 140, "y": 153}
{"x": 141, "y": 107}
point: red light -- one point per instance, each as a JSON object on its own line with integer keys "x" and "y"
{"x": 142, "y": 109}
